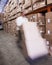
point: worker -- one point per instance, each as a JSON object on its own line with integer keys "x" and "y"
{"x": 19, "y": 21}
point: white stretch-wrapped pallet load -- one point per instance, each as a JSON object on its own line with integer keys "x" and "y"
{"x": 35, "y": 44}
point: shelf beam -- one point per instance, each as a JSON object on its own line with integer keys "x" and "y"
{"x": 41, "y": 10}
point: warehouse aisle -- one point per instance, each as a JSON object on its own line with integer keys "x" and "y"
{"x": 11, "y": 55}
{"x": 9, "y": 52}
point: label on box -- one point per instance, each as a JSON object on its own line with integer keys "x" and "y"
{"x": 33, "y": 16}
{"x": 47, "y": 43}
{"x": 49, "y": 32}
{"x": 41, "y": 31}
{"x": 49, "y": 21}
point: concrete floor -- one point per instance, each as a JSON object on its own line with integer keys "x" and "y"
{"x": 10, "y": 53}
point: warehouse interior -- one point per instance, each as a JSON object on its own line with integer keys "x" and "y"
{"x": 25, "y": 32}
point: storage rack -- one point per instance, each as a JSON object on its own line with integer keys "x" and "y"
{"x": 44, "y": 9}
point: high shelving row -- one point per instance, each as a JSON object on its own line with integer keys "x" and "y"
{"x": 35, "y": 10}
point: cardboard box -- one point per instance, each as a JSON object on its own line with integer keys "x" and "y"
{"x": 42, "y": 29}
{"x": 5, "y": 26}
{"x": 27, "y": 4}
{"x": 49, "y": 1}
{"x": 38, "y": 5}
{"x": 35, "y": 6}
{"x": 18, "y": 9}
{"x": 42, "y": 4}
{"x": 14, "y": 11}
{"x": 48, "y": 31}
{"x": 49, "y": 21}
{"x": 41, "y": 20}
{"x": 21, "y": 1}
{"x": 48, "y": 15}
{"x": 28, "y": 10}
{"x": 9, "y": 26}
{"x": 33, "y": 1}
{"x": 13, "y": 27}
{"x": 35, "y": 17}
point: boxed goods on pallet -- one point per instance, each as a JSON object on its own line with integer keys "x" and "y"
{"x": 7, "y": 8}
{"x": 34, "y": 1}
{"x": 41, "y": 23}
{"x": 12, "y": 7}
{"x": 18, "y": 14}
{"x": 21, "y": 1}
{"x": 35, "y": 6}
{"x": 49, "y": 28}
{"x": 49, "y": 1}
{"x": 29, "y": 17}
{"x": 49, "y": 23}
{"x": 10, "y": 1}
{"x": 48, "y": 15}
{"x": 42, "y": 30}
{"x": 49, "y": 39}
{"x": 27, "y": 4}
{"x": 14, "y": 11}
{"x": 41, "y": 20}
{"x": 5, "y": 26}
{"x": 28, "y": 10}
{"x": 18, "y": 10}
{"x": 35, "y": 17}
{"x": 13, "y": 27}
{"x": 2, "y": 17}
{"x": 39, "y": 5}
{"x": 42, "y": 4}
{"x": 48, "y": 34}
{"x": 9, "y": 26}
{"x": 48, "y": 31}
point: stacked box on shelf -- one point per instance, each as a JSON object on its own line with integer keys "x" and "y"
{"x": 13, "y": 27}
{"x": 33, "y": 1}
{"x": 9, "y": 1}
{"x": 49, "y": 1}
{"x": 9, "y": 26}
{"x": 39, "y": 4}
{"x": 35, "y": 17}
{"x": 42, "y": 23}
{"x": 49, "y": 23}
{"x": 27, "y": 6}
{"x": 6, "y": 8}
{"x": 6, "y": 12}
{"x": 5, "y": 26}
{"x": 14, "y": 11}
{"x": 30, "y": 17}
{"x": 21, "y": 2}
{"x": 28, "y": 10}
{"x": 40, "y": 19}
{"x": 13, "y": 5}
{"x": 48, "y": 35}
{"x": 2, "y": 17}
{"x": 18, "y": 9}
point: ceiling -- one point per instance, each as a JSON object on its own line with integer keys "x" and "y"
{"x": 2, "y": 4}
